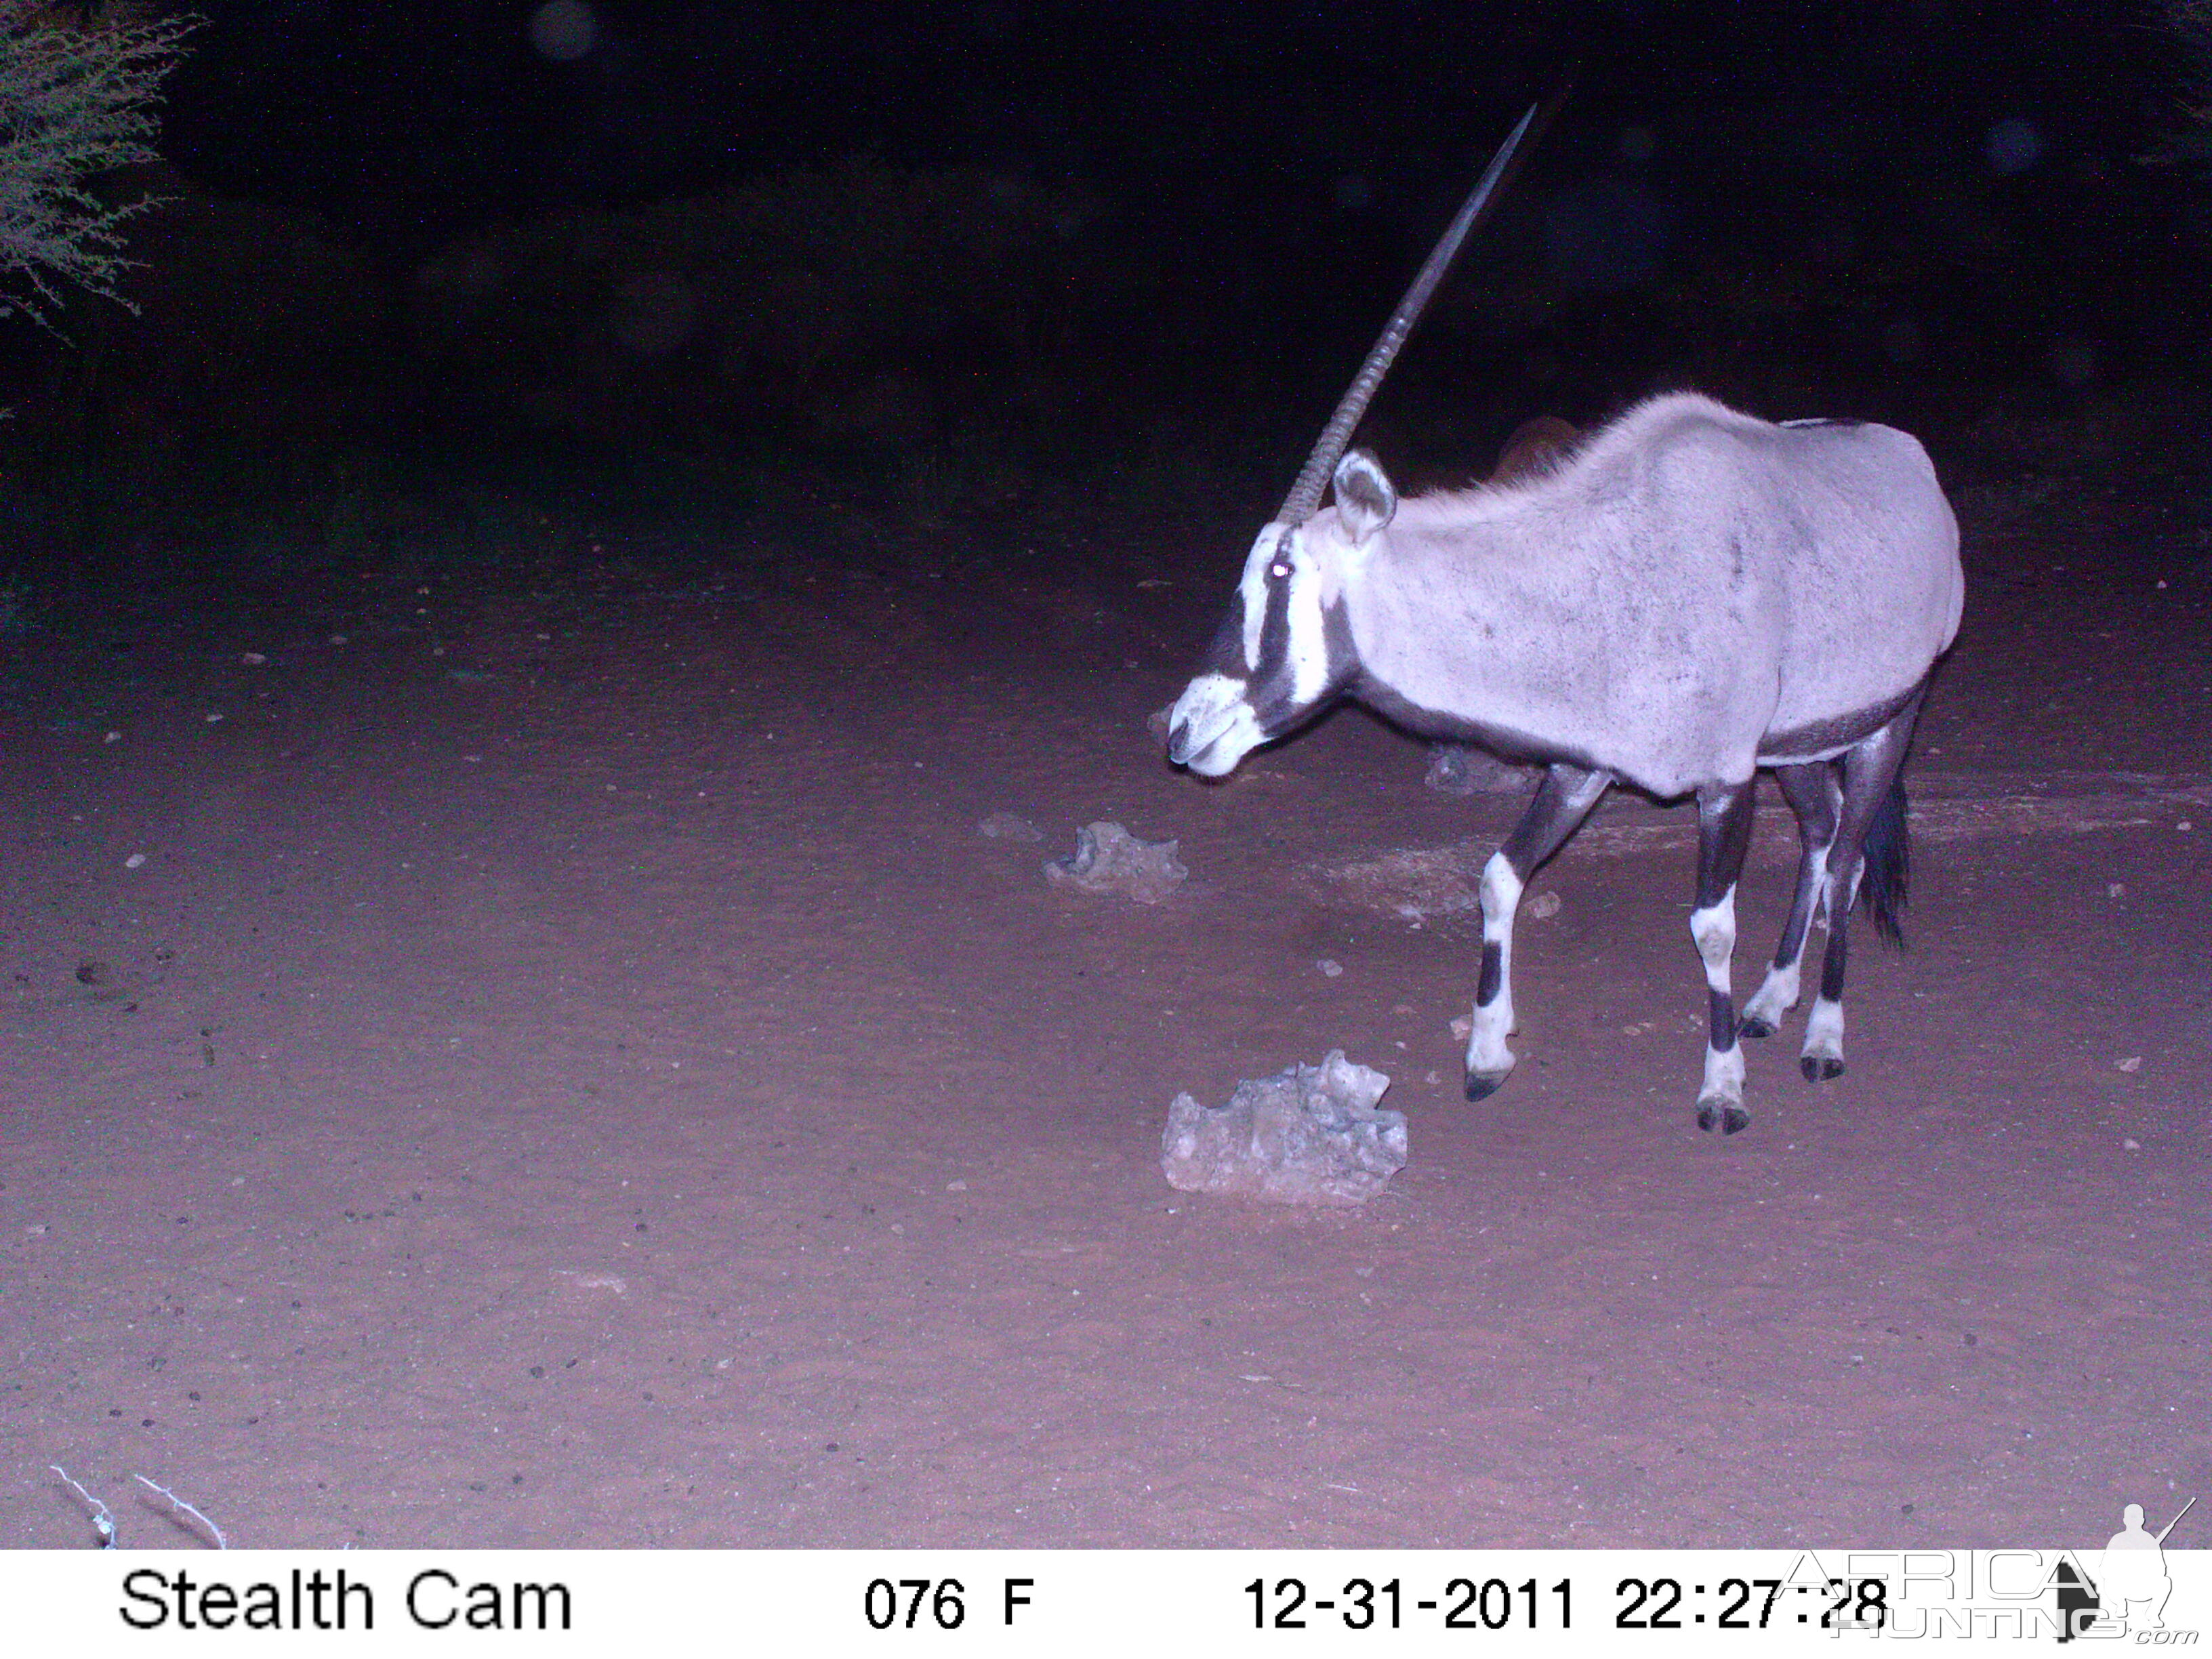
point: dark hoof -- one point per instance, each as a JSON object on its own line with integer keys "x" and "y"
{"x": 1719, "y": 1115}
{"x": 1480, "y": 1085}
{"x": 1756, "y": 1030}
{"x": 1819, "y": 1068}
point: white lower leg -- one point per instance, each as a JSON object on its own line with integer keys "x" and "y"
{"x": 1824, "y": 1031}
{"x": 1724, "y": 1084}
{"x": 1778, "y": 992}
{"x": 1776, "y": 996}
{"x": 1822, "y": 893}
{"x": 1713, "y": 928}
{"x": 1486, "y": 1053}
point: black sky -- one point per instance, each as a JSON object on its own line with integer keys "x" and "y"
{"x": 448, "y": 112}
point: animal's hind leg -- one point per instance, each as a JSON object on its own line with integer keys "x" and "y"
{"x": 1870, "y": 786}
{"x": 1724, "y": 837}
{"x": 1562, "y": 801}
{"x": 1816, "y": 797}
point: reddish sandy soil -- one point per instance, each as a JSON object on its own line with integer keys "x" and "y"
{"x": 568, "y": 1070}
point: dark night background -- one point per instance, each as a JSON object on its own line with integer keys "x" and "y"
{"x": 954, "y": 257}
{"x": 541, "y": 668}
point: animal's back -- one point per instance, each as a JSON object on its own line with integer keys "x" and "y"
{"x": 1827, "y": 547}
{"x": 1870, "y": 559}
{"x": 1691, "y": 582}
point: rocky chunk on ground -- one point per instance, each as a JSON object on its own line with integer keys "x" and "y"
{"x": 1311, "y": 1135}
{"x": 1110, "y": 859}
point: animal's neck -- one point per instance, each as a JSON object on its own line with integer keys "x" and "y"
{"x": 1456, "y": 629}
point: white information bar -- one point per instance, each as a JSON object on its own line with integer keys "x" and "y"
{"x": 62, "y": 1605}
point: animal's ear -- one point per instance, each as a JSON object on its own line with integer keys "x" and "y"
{"x": 1365, "y": 498}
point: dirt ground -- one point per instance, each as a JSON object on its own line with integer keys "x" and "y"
{"x": 562, "y": 1067}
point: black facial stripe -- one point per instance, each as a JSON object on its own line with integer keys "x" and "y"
{"x": 1275, "y": 632}
{"x": 1270, "y": 692}
{"x": 1336, "y": 639}
{"x": 1225, "y": 652}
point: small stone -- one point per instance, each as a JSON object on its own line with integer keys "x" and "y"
{"x": 2132, "y": 1063}
{"x": 1330, "y": 969}
{"x": 113, "y": 736}
{"x": 1311, "y": 1135}
{"x": 1108, "y": 859}
{"x": 956, "y": 1186}
{"x": 1462, "y": 1028}
{"x": 2115, "y": 889}
{"x": 213, "y": 718}
{"x": 2130, "y": 1144}
{"x": 133, "y": 860}
{"x": 254, "y": 660}
{"x": 1005, "y": 826}
{"x": 1455, "y": 769}
{"x": 1544, "y": 906}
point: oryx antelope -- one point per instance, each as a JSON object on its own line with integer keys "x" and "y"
{"x": 1692, "y": 596}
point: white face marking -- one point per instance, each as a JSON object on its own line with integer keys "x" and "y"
{"x": 1234, "y": 741}
{"x": 1288, "y": 566}
{"x": 1221, "y": 726}
{"x": 1309, "y": 648}
{"x": 1252, "y": 588}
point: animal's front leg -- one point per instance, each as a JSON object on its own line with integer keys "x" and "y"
{"x": 1488, "y": 1059}
{"x": 1724, "y": 838}
{"x": 1562, "y": 800}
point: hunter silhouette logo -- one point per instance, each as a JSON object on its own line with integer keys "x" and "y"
{"x": 2132, "y": 1585}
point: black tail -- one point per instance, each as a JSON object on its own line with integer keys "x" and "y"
{"x": 1887, "y": 871}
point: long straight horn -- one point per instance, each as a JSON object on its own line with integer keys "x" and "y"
{"x": 1305, "y": 495}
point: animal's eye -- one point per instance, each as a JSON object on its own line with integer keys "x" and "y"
{"x": 1279, "y": 570}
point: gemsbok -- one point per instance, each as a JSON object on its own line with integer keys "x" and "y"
{"x": 1689, "y": 597}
